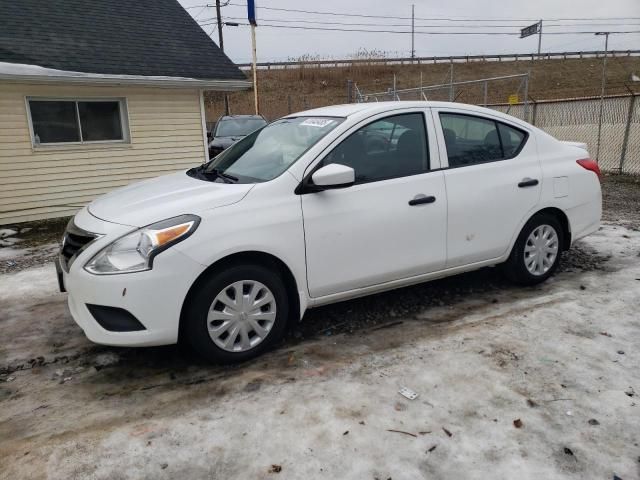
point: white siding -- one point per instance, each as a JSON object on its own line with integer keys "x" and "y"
{"x": 50, "y": 181}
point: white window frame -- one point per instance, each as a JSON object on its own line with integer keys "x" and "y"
{"x": 124, "y": 120}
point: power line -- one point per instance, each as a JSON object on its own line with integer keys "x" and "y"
{"x": 321, "y": 22}
{"x": 452, "y": 19}
{"x": 422, "y": 32}
{"x": 200, "y": 13}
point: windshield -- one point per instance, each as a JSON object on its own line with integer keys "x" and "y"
{"x": 268, "y": 152}
{"x": 238, "y": 126}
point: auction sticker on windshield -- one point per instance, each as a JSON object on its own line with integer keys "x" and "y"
{"x": 318, "y": 122}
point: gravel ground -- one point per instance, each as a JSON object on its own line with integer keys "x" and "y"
{"x": 35, "y": 244}
{"x": 621, "y": 200}
{"x": 536, "y": 382}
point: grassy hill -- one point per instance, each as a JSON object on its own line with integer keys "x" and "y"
{"x": 302, "y": 87}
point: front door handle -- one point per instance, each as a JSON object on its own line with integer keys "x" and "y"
{"x": 421, "y": 199}
{"x": 528, "y": 182}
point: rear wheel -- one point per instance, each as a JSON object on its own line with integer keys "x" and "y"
{"x": 536, "y": 253}
{"x": 237, "y": 313}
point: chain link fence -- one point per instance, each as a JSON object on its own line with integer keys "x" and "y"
{"x": 579, "y": 120}
{"x": 483, "y": 91}
{"x": 274, "y": 106}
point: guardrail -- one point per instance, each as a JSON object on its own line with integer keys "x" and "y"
{"x": 442, "y": 59}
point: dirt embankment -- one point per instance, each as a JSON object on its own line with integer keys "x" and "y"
{"x": 291, "y": 90}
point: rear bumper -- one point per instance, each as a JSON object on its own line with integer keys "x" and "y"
{"x": 585, "y": 219}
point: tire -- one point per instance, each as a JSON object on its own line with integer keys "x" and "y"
{"x": 216, "y": 307}
{"x": 524, "y": 256}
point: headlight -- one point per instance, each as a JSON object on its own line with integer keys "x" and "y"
{"x": 135, "y": 251}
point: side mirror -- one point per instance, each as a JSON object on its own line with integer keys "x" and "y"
{"x": 334, "y": 175}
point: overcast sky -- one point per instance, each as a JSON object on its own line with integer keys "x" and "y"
{"x": 286, "y": 43}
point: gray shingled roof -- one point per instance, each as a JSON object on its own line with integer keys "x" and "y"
{"x": 121, "y": 37}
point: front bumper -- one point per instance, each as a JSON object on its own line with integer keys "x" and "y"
{"x": 59, "y": 274}
{"x": 153, "y": 297}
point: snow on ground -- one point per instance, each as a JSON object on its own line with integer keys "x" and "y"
{"x": 13, "y": 258}
{"x": 516, "y": 382}
{"x": 7, "y": 232}
{"x": 29, "y": 285}
{"x": 7, "y": 254}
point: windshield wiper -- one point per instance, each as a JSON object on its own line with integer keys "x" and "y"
{"x": 224, "y": 176}
{"x": 204, "y": 174}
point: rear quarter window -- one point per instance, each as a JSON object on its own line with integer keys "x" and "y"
{"x": 512, "y": 140}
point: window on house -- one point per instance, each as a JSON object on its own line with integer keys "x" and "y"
{"x": 77, "y": 121}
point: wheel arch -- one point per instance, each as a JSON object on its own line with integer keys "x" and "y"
{"x": 564, "y": 223}
{"x": 557, "y": 213}
{"x": 252, "y": 258}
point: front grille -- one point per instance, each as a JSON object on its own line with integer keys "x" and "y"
{"x": 74, "y": 241}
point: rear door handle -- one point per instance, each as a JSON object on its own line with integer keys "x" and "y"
{"x": 528, "y": 182}
{"x": 421, "y": 199}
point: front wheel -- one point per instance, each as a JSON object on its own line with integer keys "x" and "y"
{"x": 536, "y": 253}
{"x": 236, "y": 314}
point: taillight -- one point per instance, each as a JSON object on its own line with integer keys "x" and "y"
{"x": 591, "y": 165}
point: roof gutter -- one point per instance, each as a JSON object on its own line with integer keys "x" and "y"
{"x": 133, "y": 80}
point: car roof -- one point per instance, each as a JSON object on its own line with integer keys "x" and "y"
{"x": 348, "y": 109}
{"x": 225, "y": 117}
{"x": 362, "y": 110}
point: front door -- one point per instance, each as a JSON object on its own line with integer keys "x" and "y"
{"x": 391, "y": 224}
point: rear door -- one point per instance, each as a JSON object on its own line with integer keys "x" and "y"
{"x": 493, "y": 181}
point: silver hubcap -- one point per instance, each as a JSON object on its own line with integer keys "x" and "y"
{"x": 241, "y": 316}
{"x": 541, "y": 250}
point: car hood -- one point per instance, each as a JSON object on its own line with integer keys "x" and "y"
{"x": 149, "y": 201}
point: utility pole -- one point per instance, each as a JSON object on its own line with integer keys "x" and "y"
{"x": 451, "y": 81}
{"x": 251, "y": 15}
{"x": 539, "y": 38}
{"x": 255, "y": 67}
{"x": 604, "y": 83}
{"x": 219, "y": 17}
{"x": 395, "y": 95}
{"x": 221, "y": 45}
{"x": 413, "y": 31}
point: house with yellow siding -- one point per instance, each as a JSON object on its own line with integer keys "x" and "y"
{"x": 96, "y": 94}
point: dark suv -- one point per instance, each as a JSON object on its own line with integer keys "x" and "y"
{"x": 230, "y": 128}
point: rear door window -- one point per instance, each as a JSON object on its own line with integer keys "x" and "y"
{"x": 471, "y": 140}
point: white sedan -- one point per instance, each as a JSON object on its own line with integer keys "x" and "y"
{"x": 318, "y": 207}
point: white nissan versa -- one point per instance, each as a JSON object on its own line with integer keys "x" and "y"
{"x": 319, "y": 207}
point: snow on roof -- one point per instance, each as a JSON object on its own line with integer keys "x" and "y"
{"x": 36, "y": 73}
